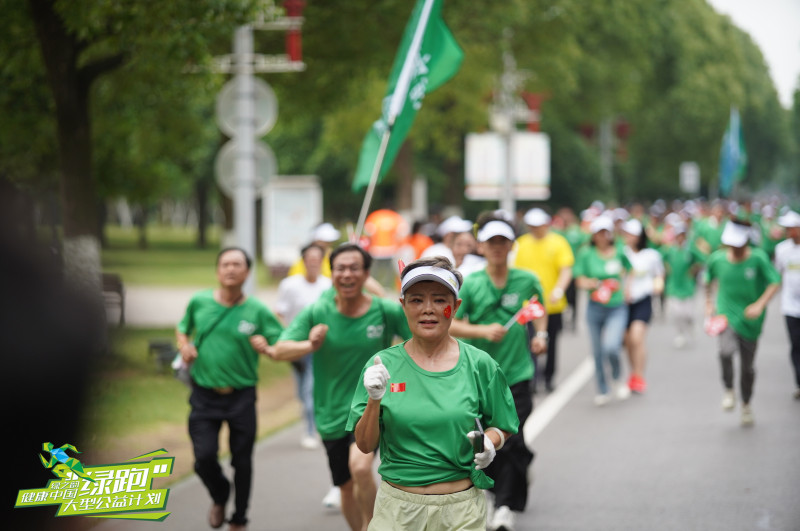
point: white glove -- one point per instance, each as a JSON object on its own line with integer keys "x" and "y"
{"x": 485, "y": 458}
{"x": 375, "y": 379}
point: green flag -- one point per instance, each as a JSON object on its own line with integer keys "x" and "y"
{"x": 428, "y": 56}
{"x": 732, "y": 155}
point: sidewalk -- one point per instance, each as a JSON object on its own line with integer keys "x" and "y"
{"x": 148, "y": 306}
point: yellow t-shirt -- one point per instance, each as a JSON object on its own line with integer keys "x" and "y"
{"x": 299, "y": 267}
{"x": 545, "y": 257}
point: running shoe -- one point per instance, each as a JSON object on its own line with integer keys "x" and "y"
{"x": 679, "y": 341}
{"x": 602, "y": 399}
{"x": 621, "y": 391}
{"x": 309, "y": 442}
{"x": 637, "y": 384}
{"x": 747, "y": 415}
{"x": 729, "y": 400}
{"x": 504, "y": 519}
{"x": 333, "y": 500}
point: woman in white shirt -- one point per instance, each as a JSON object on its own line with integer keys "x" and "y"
{"x": 646, "y": 278}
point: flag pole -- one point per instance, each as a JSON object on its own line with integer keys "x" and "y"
{"x": 395, "y": 108}
{"x": 373, "y": 181}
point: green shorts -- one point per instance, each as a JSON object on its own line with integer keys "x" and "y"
{"x": 397, "y": 509}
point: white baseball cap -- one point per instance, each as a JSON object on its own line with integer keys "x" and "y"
{"x": 536, "y": 217}
{"x": 496, "y": 228}
{"x": 735, "y": 235}
{"x": 602, "y": 222}
{"x": 633, "y": 226}
{"x": 453, "y": 224}
{"x": 326, "y": 233}
{"x": 790, "y": 220}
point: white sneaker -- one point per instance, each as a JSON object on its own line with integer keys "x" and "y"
{"x": 747, "y": 415}
{"x": 333, "y": 500}
{"x": 601, "y": 400}
{"x": 309, "y": 442}
{"x": 621, "y": 390}
{"x": 504, "y": 519}
{"x": 679, "y": 341}
{"x": 729, "y": 400}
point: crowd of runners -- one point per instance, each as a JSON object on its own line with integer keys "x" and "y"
{"x": 438, "y": 385}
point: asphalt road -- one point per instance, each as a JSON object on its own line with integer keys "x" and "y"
{"x": 670, "y": 459}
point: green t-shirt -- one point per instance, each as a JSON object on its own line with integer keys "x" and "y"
{"x": 590, "y": 264}
{"x": 739, "y": 285}
{"x": 679, "y": 260}
{"x": 425, "y": 416}
{"x": 349, "y": 343}
{"x": 225, "y": 356}
{"x": 485, "y": 303}
{"x": 711, "y": 231}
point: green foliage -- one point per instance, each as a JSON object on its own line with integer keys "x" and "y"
{"x": 670, "y": 68}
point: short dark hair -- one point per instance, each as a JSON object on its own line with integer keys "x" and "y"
{"x": 434, "y": 261}
{"x": 247, "y": 259}
{"x": 348, "y": 247}
{"x": 310, "y": 246}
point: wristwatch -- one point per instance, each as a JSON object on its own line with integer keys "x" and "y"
{"x": 543, "y": 334}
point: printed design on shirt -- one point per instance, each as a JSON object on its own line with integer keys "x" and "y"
{"x": 793, "y": 266}
{"x": 397, "y": 387}
{"x": 510, "y": 300}
{"x": 749, "y": 273}
{"x": 246, "y": 328}
{"x": 613, "y": 267}
{"x": 375, "y": 331}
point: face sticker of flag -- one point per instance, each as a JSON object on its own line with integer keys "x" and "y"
{"x": 397, "y": 387}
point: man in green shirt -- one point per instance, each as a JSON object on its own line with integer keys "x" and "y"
{"x": 344, "y": 329}
{"x": 683, "y": 262}
{"x": 746, "y": 282}
{"x": 229, "y": 331}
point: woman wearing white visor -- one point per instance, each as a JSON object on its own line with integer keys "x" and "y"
{"x": 646, "y": 279}
{"x": 746, "y": 281}
{"x": 419, "y": 403}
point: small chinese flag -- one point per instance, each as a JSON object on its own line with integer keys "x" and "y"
{"x": 533, "y": 310}
{"x": 716, "y": 325}
{"x": 397, "y": 387}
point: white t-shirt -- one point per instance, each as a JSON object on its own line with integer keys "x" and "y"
{"x": 471, "y": 263}
{"x": 787, "y": 260}
{"x": 295, "y": 293}
{"x": 646, "y": 265}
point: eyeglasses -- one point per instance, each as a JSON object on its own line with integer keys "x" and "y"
{"x": 352, "y": 269}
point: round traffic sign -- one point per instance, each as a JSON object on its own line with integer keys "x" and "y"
{"x": 225, "y": 166}
{"x": 265, "y": 107}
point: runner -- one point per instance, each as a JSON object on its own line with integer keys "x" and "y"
{"x": 787, "y": 260}
{"x": 746, "y": 281}
{"x": 646, "y": 279}
{"x": 491, "y": 299}
{"x": 601, "y": 268}
{"x": 424, "y": 425}
{"x": 344, "y": 329}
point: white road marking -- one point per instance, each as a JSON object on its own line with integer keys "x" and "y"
{"x": 546, "y": 410}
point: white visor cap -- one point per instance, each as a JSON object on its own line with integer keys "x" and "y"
{"x": 789, "y": 220}
{"x": 601, "y": 222}
{"x": 429, "y": 273}
{"x": 536, "y": 217}
{"x": 633, "y": 227}
{"x": 496, "y": 228}
{"x": 735, "y": 235}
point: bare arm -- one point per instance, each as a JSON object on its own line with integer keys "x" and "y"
{"x": 463, "y": 328}
{"x": 368, "y": 430}
{"x": 185, "y": 347}
{"x": 288, "y": 350}
{"x": 753, "y": 311}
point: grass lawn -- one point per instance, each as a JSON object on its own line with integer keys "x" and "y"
{"x": 129, "y": 395}
{"x": 171, "y": 258}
